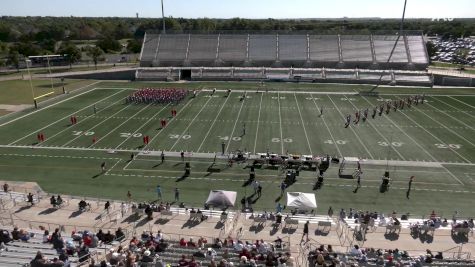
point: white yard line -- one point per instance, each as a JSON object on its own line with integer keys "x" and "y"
{"x": 404, "y": 132}
{"x": 328, "y": 128}
{"x": 81, "y": 121}
{"x": 461, "y": 122}
{"x": 235, "y": 123}
{"x": 435, "y": 137}
{"x": 453, "y": 176}
{"x": 100, "y": 123}
{"x": 258, "y": 120}
{"x": 161, "y": 131}
{"x": 141, "y": 126}
{"x": 117, "y": 127}
{"x": 113, "y": 166}
{"x": 450, "y": 130}
{"x": 351, "y": 128}
{"x": 214, "y": 121}
{"x": 303, "y": 124}
{"x": 280, "y": 124}
{"x": 468, "y": 113}
{"x": 380, "y": 134}
{"x": 468, "y": 105}
{"x": 65, "y": 117}
{"x": 191, "y": 122}
{"x": 54, "y": 104}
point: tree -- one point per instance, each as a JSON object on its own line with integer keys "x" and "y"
{"x": 108, "y": 44}
{"x": 13, "y": 59}
{"x": 95, "y": 53}
{"x": 134, "y": 46}
{"x": 71, "y": 52}
{"x": 431, "y": 49}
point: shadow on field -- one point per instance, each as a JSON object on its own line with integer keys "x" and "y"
{"x": 48, "y": 211}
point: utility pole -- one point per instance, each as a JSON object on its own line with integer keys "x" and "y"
{"x": 163, "y": 19}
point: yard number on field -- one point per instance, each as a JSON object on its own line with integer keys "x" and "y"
{"x": 177, "y": 136}
{"x": 286, "y": 140}
{"x": 226, "y": 138}
{"x": 453, "y": 146}
{"x": 338, "y": 142}
{"x": 128, "y": 135}
{"x": 395, "y": 144}
{"x": 82, "y": 133}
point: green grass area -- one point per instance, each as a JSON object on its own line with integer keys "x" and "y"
{"x": 283, "y": 120}
{"x": 16, "y": 92}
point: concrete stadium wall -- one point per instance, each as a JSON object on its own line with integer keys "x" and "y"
{"x": 110, "y": 75}
{"x": 446, "y": 80}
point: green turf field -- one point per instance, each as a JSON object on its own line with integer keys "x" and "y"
{"x": 283, "y": 120}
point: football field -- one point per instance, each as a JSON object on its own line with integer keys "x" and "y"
{"x": 433, "y": 141}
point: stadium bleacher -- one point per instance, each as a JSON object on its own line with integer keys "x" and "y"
{"x": 277, "y": 50}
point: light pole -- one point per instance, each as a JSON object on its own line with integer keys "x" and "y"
{"x": 163, "y": 19}
{"x": 31, "y": 82}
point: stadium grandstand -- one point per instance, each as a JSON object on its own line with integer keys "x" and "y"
{"x": 286, "y": 57}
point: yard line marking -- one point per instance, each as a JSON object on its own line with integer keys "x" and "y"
{"x": 93, "y": 127}
{"x": 404, "y": 132}
{"x": 65, "y": 117}
{"x": 303, "y": 125}
{"x": 328, "y": 128}
{"x": 451, "y": 174}
{"x": 235, "y": 123}
{"x": 174, "y": 118}
{"x": 461, "y": 101}
{"x": 214, "y": 121}
{"x": 450, "y": 130}
{"x": 357, "y": 137}
{"x": 453, "y": 108}
{"x": 110, "y": 169}
{"x": 385, "y": 139}
{"x": 150, "y": 119}
{"x": 98, "y": 140}
{"x": 81, "y": 121}
{"x": 435, "y": 137}
{"x": 184, "y": 131}
{"x": 280, "y": 123}
{"x": 258, "y": 120}
{"x": 54, "y": 104}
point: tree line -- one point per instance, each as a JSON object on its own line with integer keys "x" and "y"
{"x": 25, "y": 36}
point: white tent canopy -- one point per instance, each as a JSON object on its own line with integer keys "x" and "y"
{"x": 221, "y": 198}
{"x": 301, "y": 200}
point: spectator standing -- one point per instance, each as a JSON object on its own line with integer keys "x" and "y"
{"x": 305, "y": 231}
{"x": 159, "y": 192}
{"x": 5, "y": 188}
{"x": 177, "y": 194}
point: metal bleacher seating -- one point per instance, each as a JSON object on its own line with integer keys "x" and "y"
{"x": 356, "y": 48}
{"x": 417, "y": 49}
{"x": 202, "y": 48}
{"x": 383, "y": 44}
{"x": 263, "y": 48}
{"x": 172, "y": 48}
{"x": 292, "y": 47}
{"x": 324, "y": 48}
{"x": 232, "y": 48}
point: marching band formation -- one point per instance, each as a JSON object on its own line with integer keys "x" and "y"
{"x": 156, "y": 96}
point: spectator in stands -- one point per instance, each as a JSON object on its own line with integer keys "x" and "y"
{"x": 183, "y": 261}
{"x": 83, "y": 254}
{"x": 5, "y": 236}
{"x": 5, "y": 187}
{"x": 211, "y": 253}
{"x": 38, "y": 261}
{"x": 107, "y": 206}
{"x": 15, "y": 234}
{"x": 30, "y": 198}
{"x": 356, "y": 251}
{"x": 193, "y": 262}
{"x": 108, "y": 238}
{"x": 199, "y": 253}
{"x": 146, "y": 257}
{"x": 46, "y": 237}
{"x": 52, "y": 201}
{"x": 100, "y": 235}
{"x": 182, "y": 242}
{"x": 59, "y": 201}
{"x": 119, "y": 234}
{"x": 201, "y": 242}
{"x": 24, "y": 235}
{"x": 191, "y": 243}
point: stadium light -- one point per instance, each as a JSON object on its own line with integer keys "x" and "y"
{"x": 163, "y": 19}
